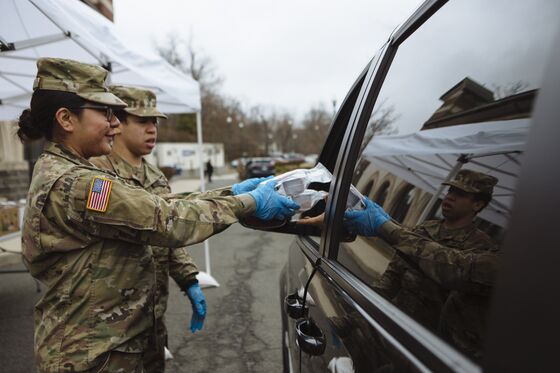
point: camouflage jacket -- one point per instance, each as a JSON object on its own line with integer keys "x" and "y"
{"x": 463, "y": 259}
{"x": 175, "y": 263}
{"x": 443, "y": 278}
{"x": 94, "y": 259}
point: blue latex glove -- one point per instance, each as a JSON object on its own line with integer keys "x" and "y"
{"x": 198, "y": 303}
{"x": 365, "y": 222}
{"x": 248, "y": 185}
{"x": 271, "y": 204}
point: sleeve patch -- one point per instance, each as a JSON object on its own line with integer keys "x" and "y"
{"x": 99, "y": 192}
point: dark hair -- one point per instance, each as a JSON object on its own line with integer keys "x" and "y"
{"x": 121, "y": 115}
{"x": 484, "y": 197}
{"x": 38, "y": 121}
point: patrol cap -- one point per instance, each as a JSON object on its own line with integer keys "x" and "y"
{"x": 473, "y": 182}
{"x": 85, "y": 80}
{"x": 141, "y": 102}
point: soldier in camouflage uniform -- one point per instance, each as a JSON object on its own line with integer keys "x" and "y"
{"x": 86, "y": 231}
{"x": 137, "y": 137}
{"x": 443, "y": 271}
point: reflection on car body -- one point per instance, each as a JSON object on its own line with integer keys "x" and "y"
{"x": 449, "y": 92}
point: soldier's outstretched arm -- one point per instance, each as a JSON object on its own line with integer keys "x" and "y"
{"x": 220, "y": 192}
{"x": 452, "y": 268}
{"x": 106, "y": 207}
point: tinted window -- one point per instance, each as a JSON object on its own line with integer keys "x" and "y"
{"x": 403, "y": 202}
{"x": 458, "y": 96}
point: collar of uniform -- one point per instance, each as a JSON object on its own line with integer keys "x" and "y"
{"x": 122, "y": 167}
{"x": 127, "y": 171}
{"x": 152, "y": 175}
{"x": 66, "y": 153}
{"x": 436, "y": 231}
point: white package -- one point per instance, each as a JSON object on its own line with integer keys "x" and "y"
{"x": 308, "y": 199}
{"x": 355, "y": 199}
{"x": 296, "y": 182}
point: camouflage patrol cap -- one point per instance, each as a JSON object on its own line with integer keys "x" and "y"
{"x": 85, "y": 80}
{"x": 141, "y": 102}
{"x": 473, "y": 182}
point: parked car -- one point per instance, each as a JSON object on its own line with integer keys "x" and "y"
{"x": 259, "y": 167}
{"x": 466, "y": 84}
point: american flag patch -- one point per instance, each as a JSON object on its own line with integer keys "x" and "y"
{"x": 99, "y": 192}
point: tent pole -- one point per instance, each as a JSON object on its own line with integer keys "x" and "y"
{"x": 204, "y": 278}
{"x": 460, "y": 162}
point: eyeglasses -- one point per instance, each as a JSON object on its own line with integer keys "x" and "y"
{"x": 109, "y": 113}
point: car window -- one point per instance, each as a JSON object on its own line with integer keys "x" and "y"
{"x": 329, "y": 154}
{"x": 455, "y": 107}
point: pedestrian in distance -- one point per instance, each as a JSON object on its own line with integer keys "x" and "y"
{"x": 87, "y": 232}
{"x": 209, "y": 170}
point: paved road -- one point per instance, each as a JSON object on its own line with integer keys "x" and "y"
{"x": 242, "y": 332}
{"x": 17, "y": 298}
{"x": 242, "y": 329}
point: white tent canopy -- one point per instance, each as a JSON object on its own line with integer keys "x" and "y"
{"x": 30, "y": 29}
{"x": 427, "y": 158}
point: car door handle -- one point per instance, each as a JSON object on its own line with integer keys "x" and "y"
{"x": 310, "y": 338}
{"x": 294, "y": 307}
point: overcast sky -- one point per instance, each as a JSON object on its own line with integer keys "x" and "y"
{"x": 288, "y": 55}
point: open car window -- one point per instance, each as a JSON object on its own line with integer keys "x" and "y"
{"x": 452, "y": 101}
{"x": 330, "y": 152}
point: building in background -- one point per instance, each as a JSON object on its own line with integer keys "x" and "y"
{"x": 183, "y": 156}
{"x": 104, "y": 7}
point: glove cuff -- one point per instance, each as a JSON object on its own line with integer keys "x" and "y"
{"x": 188, "y": 285}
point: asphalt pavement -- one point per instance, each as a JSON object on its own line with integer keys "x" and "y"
{"x": 17, "y": 298}
{"x": 242, "y": 330}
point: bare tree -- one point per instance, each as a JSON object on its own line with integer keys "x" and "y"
{"x": 216, "y": 107}
{"x": 380, "y": 123}
{"x": 184, "y": 56}
{"x": 283, "y": 131}
{"x": 315, "y": 126}
{"x": 509, "y": 89}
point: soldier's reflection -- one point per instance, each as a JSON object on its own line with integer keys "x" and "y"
{"x": 442, "y": 271}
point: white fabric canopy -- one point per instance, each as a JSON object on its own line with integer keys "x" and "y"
{"x": 426, "y": 158}
{"x": 30, "y": 29}
{"x": 71, "y": 29}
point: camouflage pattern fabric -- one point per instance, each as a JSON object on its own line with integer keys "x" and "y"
{"x": 141, "y": 102}
{"x": 175, "y": 263}
{"x": 443, "y": 278}
{"x": 85, "y": 80}
{"x": 472, "y": 181}
{"x": 119, "y": 362}
{"x": 97, "y": 266}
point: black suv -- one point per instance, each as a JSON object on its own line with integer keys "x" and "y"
{"x": 465, "y": 84}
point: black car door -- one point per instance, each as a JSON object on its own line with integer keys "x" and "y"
{"x": 454, "y": 71}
